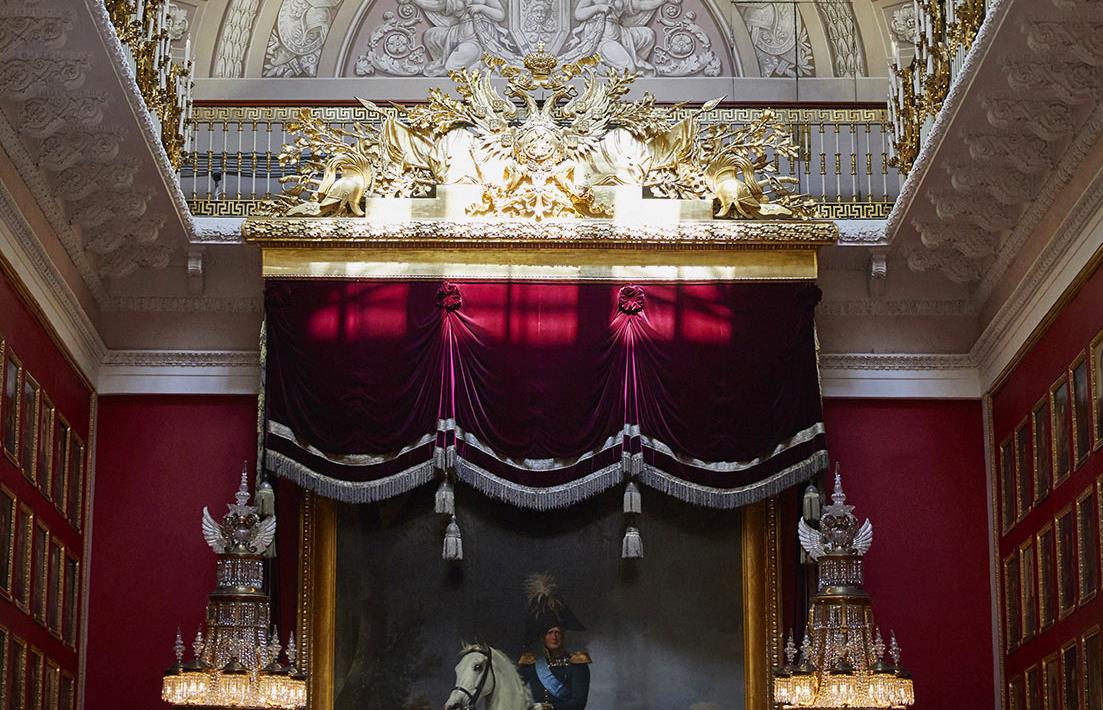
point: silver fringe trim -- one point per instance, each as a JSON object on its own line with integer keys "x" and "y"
{"x": 727, "y": 498}
{"x": 800, "y": 437}
{"x": 550, "y": 498}
{"x": 350, "y": 492}
{"x": 284, "y": 432}
{"x": 631, "y": 464}
{"x": 551, "y": 464}
{"x": 444, "y": 458}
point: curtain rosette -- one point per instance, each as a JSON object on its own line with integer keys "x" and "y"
{"x": 543, "y": 394}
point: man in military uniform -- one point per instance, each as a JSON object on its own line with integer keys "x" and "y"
{"x": 559, "y": 679}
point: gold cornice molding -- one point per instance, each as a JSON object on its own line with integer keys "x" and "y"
{"x": 714, "y": 234}
{"x": 568, "y": 249}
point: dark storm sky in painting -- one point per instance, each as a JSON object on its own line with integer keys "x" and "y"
{"x": 665, "y": 632}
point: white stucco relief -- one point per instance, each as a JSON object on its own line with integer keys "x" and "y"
{"x": 431, "y": 37}
{"x": 297, "y": 39}
{"x": 780, "y": 38}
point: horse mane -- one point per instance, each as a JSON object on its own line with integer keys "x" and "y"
{"x": 465, "y": 646}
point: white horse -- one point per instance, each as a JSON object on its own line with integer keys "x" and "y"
{"x": 486, "y": 674}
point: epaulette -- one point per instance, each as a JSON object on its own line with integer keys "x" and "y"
{"x": 527, "y": 659}
{"x": 580, "y": 657}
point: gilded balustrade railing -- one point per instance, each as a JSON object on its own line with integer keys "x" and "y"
{"x": 944, "y": 33}
{"x": 844, "y": 160}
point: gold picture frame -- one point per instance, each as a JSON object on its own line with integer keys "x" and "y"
{"x": 45, "y": 444}
{"x": 71, "y": 599}
{"x": 1016, "y": 694}
{"x": 35, "y": 671}
{"x": 1064, "y": 526}
{"x": 1070, "y": 672}
{"x": 12, "y": 406}
{"x": 51, "y": 682}
{"x": 62, "y": 432}
{"x": 1051, "y": 682}
{"x": 1081, "y": 406}
{"x": 1012, "y": 600}
{"x": 4, "y": 685}
{"x": 28, "y": 433}
{"x": 1024, "y": 497}
{"x": 1028, "y": 586}
{"x": 1087, "y": 544}
{"x": 1060, "y": 425}
{"x": 22, "y": 543}
{"x": 1033, "y": 688}
{"x": 1096, "y": 350}
{"x": 18, "y": 697}
{"x": 1046, "y": 546}
{"x": 1041, "y": 454}
{"x": 67, "y": 694}
{"x": 1009, "y": 506}
{"x": 74, "y": 486}
{"x": 54, "y": 580}
{"x": 1091, "y": 675}
{"x": 317, "y": 598}
{"x": 39, "y": 571}
{"x": 8, "y": 511}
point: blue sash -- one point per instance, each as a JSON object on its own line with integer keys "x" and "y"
{"x": 548, "y": 679}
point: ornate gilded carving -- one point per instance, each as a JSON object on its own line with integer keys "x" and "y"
{"x": 558, "y": 141}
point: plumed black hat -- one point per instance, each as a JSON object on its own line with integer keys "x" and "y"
{"x": 546, "y": 608}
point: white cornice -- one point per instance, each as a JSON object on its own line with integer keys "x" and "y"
{"x": 1074, "y": 244}
{"x": 898, "y": 376}
{"x": 179, "y": 372}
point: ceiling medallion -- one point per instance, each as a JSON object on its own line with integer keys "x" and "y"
{"x": 557, "y": 141}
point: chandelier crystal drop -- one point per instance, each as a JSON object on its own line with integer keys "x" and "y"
{"x": 237, "y": 664}
{"x": 841, "y": 661}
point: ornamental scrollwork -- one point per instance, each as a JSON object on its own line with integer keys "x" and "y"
{"x": 559, "y": 140}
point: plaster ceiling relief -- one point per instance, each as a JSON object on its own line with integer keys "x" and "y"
{"x": 666, "y": 38}
{"x": 1017, "y": 123}
{"x": 426, "y": 38}
{"x": 79, "y": 136}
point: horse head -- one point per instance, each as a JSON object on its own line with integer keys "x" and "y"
{"x": 475, "y": 677}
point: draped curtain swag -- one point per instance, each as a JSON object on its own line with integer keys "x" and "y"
{"x": 543, "y": 394}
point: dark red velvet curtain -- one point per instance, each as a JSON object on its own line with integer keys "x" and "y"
{"x": 543, "y": 394}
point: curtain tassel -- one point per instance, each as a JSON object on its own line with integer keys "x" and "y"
{"x": 453, "y": 541}
{"x": 444, "y": 502}
{"x": 632, "y": 498}
{"x": 632, "y": 548}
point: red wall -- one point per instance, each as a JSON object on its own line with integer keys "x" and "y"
{"x": 25, "y": 334}
{"x": 1068, "y": 335}
{"x": 916, "y": 470}
{"x": 160, "y": 460}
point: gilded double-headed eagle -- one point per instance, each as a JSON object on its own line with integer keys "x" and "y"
{"x": 539, "y": 148}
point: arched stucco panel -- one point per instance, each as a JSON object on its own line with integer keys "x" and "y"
{"x": 690, "y": 38}
{"x": 876, "y": 39}
{"x": 817, "y": 35}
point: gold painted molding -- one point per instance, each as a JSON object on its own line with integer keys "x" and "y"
{"x": 402, "y": 232}
{"x": 544, "y": 265}
{"x": 317, "y": 607}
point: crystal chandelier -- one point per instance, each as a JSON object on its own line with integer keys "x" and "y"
{"x": 842, "y": 658}
{"x": 238, "y": 664}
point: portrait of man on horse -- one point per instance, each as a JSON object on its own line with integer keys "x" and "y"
{"x": 548, "y": 676}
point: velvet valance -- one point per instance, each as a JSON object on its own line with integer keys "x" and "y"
{"x": 543, "y": 393}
